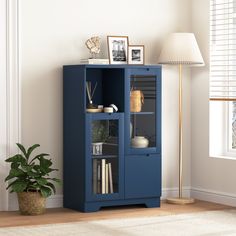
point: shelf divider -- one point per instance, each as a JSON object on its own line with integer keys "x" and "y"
{"x": 142, "y": 113}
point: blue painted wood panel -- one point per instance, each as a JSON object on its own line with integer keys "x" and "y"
{"x": 73, "y": 137}
{"x": 142, "y": 176}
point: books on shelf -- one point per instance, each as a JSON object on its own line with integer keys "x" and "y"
{"x": 94, "y": 61}
{"x": 106, "y": 179}
{"x": 102, "y": 177}
{"x": 110, "y": 178}
{"x": 95, "y": 176}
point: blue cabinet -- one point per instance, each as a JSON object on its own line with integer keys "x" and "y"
{"x": 111, "y": 158}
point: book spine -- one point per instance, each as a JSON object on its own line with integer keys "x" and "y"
{"x": 103, "y": 176}
{"x": 106, "y": 187}
{"x": 99, "y": 177}
{"x": 95, "y": 176}
{"x": 110, "y": 178}
{"x": 94, "y": 61}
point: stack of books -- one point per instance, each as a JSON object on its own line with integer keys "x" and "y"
{"x": 102, "y": 177}
{"x": 94, "y": 61}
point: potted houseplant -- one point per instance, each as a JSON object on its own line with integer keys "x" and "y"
{"x": 99, "y": 136}
{"x": 29, "y": 178}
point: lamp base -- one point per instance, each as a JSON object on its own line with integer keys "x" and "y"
{"x": 180, "y": 201}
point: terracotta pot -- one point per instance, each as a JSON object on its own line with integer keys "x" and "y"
{"x": 31, "y": 203}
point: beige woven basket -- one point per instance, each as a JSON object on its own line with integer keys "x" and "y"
{"x": 31, "y": 203}
{"x": 136, "y": 100}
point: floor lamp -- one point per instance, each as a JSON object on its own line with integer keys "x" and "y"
{"x": 181, "y": 49}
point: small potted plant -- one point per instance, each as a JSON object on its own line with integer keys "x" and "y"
{"x": 29, "y": 178}
{"x": 99, "y": 136}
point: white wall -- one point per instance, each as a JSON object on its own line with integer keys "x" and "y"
{"x": 53, "y": 34}
{"x": 212, "y": 178}
{"x": 9, "y": 91}
{"x": 3, "y": 105}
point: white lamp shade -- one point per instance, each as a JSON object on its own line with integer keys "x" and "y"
{"x": 181, "y": 48}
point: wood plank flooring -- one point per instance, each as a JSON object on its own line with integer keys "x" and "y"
{"x": 62, "y": 215}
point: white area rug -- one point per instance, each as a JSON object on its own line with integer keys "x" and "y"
{"x": 211, "y": 223}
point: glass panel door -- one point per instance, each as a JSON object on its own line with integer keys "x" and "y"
{"x": 142, "y": 111}
{"x": 105, "y": 156}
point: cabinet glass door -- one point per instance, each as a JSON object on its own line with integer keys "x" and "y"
{"x": 142, "y": 110}
{"x": 105, "y": 152}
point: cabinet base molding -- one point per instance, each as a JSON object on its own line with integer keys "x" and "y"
{"x": 95, "y": 206}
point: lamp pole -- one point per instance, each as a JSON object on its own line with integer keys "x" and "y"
{"x": 180, "y": 199}
{"x": 180, "y": 134}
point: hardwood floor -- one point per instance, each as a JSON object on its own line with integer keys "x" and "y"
{"x": 61, "y": 215}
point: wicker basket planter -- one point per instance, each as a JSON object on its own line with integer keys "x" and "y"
{"x": 29, "y": 176}
{"x": 31, "y": 203}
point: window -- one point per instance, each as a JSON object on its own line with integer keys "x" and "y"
{"x": 223, "y": 78}
{"x": 232, "y": 127}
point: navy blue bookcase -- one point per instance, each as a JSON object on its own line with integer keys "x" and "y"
{"x": 111, "y": 158}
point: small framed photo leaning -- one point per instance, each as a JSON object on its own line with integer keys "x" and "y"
{"x": 136, "y": 54}
{"x": 118, "y": 49}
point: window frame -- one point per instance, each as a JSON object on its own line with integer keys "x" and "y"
{"x": 230, "y": 150}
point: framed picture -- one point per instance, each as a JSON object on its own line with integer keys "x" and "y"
{"x": 118, "y": 49}
{"x": 136, "y": 54}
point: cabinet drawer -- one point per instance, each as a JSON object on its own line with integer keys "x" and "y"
{"x": 142, "y": 176}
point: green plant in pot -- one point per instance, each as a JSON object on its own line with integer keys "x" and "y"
{"x": 29, "y": 178}
{"x": 99, "y": 131}
{"x": 99, "y": 136}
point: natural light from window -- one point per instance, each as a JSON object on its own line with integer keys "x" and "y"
{"x": 223, "y": 78}
{"x": 232, "y": 127}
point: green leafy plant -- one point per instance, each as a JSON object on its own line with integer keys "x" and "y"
{"x": 99, "y": 131}
{"x": 29, "y": 174}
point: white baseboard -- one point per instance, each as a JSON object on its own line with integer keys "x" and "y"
{"x": 13, "y": 203}
{"x": 214, "y": 196}
{"x": 174, "y": 192}
{"x": 202, "y": 194}
{"x": 55, "y": 201}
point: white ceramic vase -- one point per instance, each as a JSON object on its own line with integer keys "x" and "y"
{"x": 139, "y": 142}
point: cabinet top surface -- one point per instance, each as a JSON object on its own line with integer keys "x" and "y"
{"x": 113, "y": 66}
